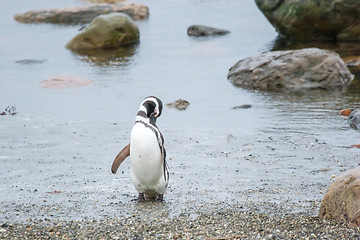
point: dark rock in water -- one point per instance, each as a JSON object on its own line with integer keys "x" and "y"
{"x": 245, "y": 106}
{"x": 341, "y": 201}
{"x": 179, "y": 104}
{"x": 294, "y": 70}
{"x": 201, "y": 31}
{"x": 81, "y": 15}
{"x": 106, "y": 31}
{"x": 30, "y": 61}
{"x": 332, "y": 20}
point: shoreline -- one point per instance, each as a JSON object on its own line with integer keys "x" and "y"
{"x": 209, "y": 224}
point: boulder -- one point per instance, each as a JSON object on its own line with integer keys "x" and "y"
{"x": 201, "y": 31}
{"x": 62, "y": 82}
{"x": 342, "y": 200}
{"x": 106, "y": 31}
{"x": 293, "y": 70}
{"x": 332, "y": 20}
{"x": 82, "y": 15}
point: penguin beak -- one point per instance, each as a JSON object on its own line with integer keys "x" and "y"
{"x": 156, "y": 113}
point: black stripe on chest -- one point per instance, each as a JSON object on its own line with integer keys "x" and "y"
{"x": 158, "y": 135}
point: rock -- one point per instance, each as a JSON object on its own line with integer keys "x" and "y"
{"x": 334, "y": 20}
{"x": 106, "y": 31}
{"x": 342, "y": 200}
{"x": 30, "y": 61}
{"x": 82, "y": 15}
{"x": 65, "y": 82}
{"x": 293, "y": 70}
{"x": 244, "y": 106}
{"x": 201, "y": 31}
{"x": 353, "y": 63}
{"x": 179, "y": 104}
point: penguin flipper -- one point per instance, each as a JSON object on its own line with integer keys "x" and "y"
{"x": 123, "y": 154}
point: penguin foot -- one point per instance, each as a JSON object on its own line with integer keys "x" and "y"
{"x": 141, "y": 197}
{"x": 160, "y": 198}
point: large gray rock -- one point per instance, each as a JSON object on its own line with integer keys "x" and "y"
{"x": 342, "y": 199}
{"x": 81, "y": 15}
{"x": 293, "y": 70}
{"x": 106, "y": 31}
{"x": 334, "y": 20}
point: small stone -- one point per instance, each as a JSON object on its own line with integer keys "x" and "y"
{"x": 244, "y": 106}
{"x": 179, "y": 104}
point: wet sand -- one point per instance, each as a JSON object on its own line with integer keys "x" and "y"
{"x": 55, "y": 175}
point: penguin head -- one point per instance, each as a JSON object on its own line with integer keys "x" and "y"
{"x": 152, "y": 106}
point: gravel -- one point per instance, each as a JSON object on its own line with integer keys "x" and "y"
{"x": 209, "y": 224}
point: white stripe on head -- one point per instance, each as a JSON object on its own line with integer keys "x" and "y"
{"x": 153, "y": 99}
{"x": 142, "y": 108}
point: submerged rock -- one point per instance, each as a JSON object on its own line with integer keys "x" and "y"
{"x": 342, "y": 200}
{"x": 65, "y": 82}
{"x": 293, "y": 70}
{"x": 30, "y": 61}
{"x": 106, "y": 31}
{"x": 179, "y": 104}
{"x": 82, "y": 15}
{"x": 334, "y": 20}
{"x": 201, "y": 31}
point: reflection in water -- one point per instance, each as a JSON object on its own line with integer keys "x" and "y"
{"x": 120, "y": 56}
{"x": 344, "y": 49}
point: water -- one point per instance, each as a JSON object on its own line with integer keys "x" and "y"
{"x": 72, "y": 135}
{"x": 167, "y": 63}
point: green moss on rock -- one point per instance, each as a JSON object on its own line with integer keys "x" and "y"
{"x": 330, "y": 20}
{"x": 106, "y": 31}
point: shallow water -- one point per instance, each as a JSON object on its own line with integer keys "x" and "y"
{"x": 65, "y": 140}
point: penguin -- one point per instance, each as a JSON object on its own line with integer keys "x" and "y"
{"x": 149, "y": 170}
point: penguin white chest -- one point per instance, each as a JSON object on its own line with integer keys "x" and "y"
{"x": 145, "y": 154}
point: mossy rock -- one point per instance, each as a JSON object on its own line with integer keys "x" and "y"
{"x": 106, "y": 31}
{"x": 292, "y": 71}
{"x": 313, "y": 20}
